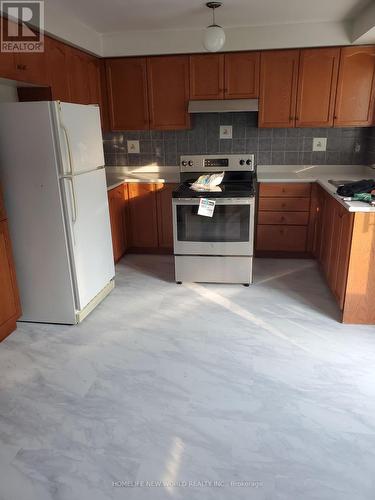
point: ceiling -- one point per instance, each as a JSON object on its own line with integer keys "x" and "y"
{"x": 132, "y": 15}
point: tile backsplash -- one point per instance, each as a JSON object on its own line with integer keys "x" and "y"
{"x": 271, "y": 146}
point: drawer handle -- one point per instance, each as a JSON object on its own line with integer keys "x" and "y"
{"x": 282, "y": 219}
{"x": 283, "y": 205}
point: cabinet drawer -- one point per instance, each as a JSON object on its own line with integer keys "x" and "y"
{"x": 284, "y": 204}
{"x": 285, "y": 218}
{"x": 281, "y": 238}
{"x": 291, "y": 189}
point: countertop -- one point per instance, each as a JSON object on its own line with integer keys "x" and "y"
{"x": 320, "y": 174}
{"x": 118, "y": 175}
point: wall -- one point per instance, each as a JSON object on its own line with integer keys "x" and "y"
{"x": 271, "y": 146}
{"x": 239, "y": 38}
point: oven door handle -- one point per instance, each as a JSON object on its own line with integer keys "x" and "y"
{"x": 218, "y": 201}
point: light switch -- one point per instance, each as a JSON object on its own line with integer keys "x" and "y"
{"x": 225, "y": 131}
{"x": 319, "y": 143}
{"x": 133, "y": 147}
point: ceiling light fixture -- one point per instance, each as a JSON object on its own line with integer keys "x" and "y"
{"x": 214, "y": 37}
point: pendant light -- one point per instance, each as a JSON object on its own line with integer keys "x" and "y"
{"x": 214, "y": 37}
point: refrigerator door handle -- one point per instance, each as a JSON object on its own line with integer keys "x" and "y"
{"x": 74, "y": 199}
{"x": 70, "y": 158}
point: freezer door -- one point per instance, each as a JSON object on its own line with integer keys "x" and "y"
{"x": 81, "y": 141}
{"x": 89, "y": 232}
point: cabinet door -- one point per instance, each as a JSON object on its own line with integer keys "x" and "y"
{"x": 142, "y": 211}
{"x": 327, "y": 235}
{"x": 127, "y": 93}
{"x": 31, "y": 67}
{"x": 2, "y": 208}
{"x": 346, "y": 220}
{"x": 242, "y": 75}
{"x": 7, "y": 65}
{"x": 317, "y": 81}
{"x": 278, "y": 88}
{"x": 335, "y": 244}
{"x": 168, "y": 91}
{"x": 9, "y": 300}
{"x": 57, "y": 66}
{"x": 93, "y": 72}
{"x": 116, "y": 203}
{"x": 207, "y": 76}
{"x": 165, "y": 223}
{"x": 78, "y": 76}
{"x": 355, "y": 87}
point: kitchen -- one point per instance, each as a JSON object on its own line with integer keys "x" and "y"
{"x": 287, "y": 116}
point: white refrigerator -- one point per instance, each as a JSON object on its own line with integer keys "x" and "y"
{"x": 53, "y": 177}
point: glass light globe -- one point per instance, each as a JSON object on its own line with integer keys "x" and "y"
{"x": 214, "y": 38}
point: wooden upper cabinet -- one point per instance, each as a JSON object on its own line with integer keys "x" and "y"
{"x": 317, "y": 81}
{"x": 355, "y": 87}
{"x": 31, "y": 67}
{"x": 242, "y": 75}
{"x": 7, "y": 65}
{"x": 278, "y": 88}
{"x": 168, "y": 91}
{"x": 78, "y": 76}
{"x": 57, "y": 66}
{"x": 207, "y": 76}
{"x": 93, "y": 71}
{"x": 127, "y": 93}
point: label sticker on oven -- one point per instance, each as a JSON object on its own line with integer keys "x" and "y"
{"x": 206, "y": 207}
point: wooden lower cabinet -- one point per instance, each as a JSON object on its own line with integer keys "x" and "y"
{"x": 10, "y": 309}
{"x": 164, "y": 210}
{"x": 141, "y": 218}
{"x": 283, "y": 219}
{"x": 281, "y": 238}
{"x": 150, "y": 217}
{"x": 343, "y": 243}
{"x": 116, "y": 202}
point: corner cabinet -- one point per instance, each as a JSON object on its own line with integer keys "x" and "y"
{"x": 168, "y": 92}
{"x": 10, "y": 309}
{"x": 57, "y": 67}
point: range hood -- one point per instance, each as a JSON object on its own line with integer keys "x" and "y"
{"x": 223, "y": 105}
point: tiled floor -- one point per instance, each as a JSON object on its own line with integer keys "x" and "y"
{"x": 192, "y": 383}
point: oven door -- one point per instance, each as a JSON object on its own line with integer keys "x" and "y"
{"x": 230, "y": 231}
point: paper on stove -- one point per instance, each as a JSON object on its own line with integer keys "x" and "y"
{"x": 208, "y": 182}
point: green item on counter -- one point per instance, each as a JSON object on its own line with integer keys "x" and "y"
{"x": 362, "y": 197}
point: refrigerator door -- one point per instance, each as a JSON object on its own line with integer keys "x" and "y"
{"x": 88, "y": 227}
{"x": 81, "y": 140}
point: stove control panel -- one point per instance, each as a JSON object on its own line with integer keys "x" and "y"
{"x": 217, "y": 163}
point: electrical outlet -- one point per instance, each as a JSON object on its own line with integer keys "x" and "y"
{"x": 133, "y": 147}
{"x": 225, "y": 131}
{"x": 319, "y": 143}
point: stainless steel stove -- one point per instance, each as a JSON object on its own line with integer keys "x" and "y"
{"x": 217, "y": 249}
